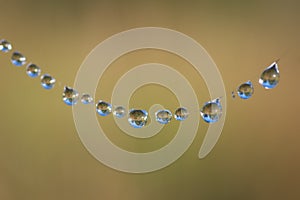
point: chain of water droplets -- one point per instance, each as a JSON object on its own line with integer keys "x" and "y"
{"x": 210, "y": 112}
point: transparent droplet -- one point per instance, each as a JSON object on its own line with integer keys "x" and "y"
{"x": 86, "y": 99}
{"x": 33, "y": 70}
{"x": 270, "y": 76}
{"x": 137, "y": 118}
{"x": 119, "y": 112}
{"x": 5, "y": 46}
{"x": 103, "y": 108}
{"x": 47, "y": 81}
{"x": 18, "y": 59}
{"x": 211, "y": 111}
{"x": 181, "y": 114}
{"x": 70, "y": 96}
{"x": 163, "y": 116}
{"x": 245, "y": 90}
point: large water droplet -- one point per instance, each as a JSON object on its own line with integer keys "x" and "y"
{"x": 163, "y": 116}
{"x": 18, "y": 59}
{"x": 245, "y": 90}
{"x": 86, "y": 99}
{"x": 181, "y": 114}
{"x": 70, "y": 96}
{"x": 211, "y": 111}
{"x": 5, "y": 46}
{"x": 119, "y": 112}
{"x": 33, "y": 70}
{"x": 47, "y": 81}
{"x": 270, "y": 76}
{"x": 103, "y": 108}
{"x": 137, "y": 118}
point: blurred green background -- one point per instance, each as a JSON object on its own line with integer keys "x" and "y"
{"x": 257, "y": 156}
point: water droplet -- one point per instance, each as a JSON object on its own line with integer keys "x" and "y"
{"x": 211, "y": 111}
{"x": 245, "y": 90}
{"x": 138, "y": 118}
{"x": 70, "y": 96}
{"x": 119, "y": 112}
{"x": 33, "y": 70}
{"x": 233, "y": 94}
{"x": 270, "y": 76}
{"x": 163, "y": 116}
{"x": 18, "y": 59}
{"x": 181, "y": 114}
{"x": 103, "y": 108}
{"x": 86, "y": 99}
{"x": 47, "y": 81}
{"x": 5, "y": 46}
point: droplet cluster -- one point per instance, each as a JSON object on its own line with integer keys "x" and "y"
{"x": 210, "y": 112}
{"x": 268, "y": 79}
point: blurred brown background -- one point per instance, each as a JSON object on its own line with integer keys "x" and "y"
{"x": 257, "y": 156}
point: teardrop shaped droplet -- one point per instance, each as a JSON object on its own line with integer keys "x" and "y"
{"x": 181, "y": 114}
{"x": 5, "y": 46}
{"x": 245, "y": 90}
{"x": 138, "y": 118}
{"x": 70, "y": 96}
{"x": 18, "y": 59}
{"x": 211, "y": 111}
{"x": 33, "y": 70}
{"x": 119, "y": 112}
{"x": 86, "y": 99}
{"x": 270, "y": 76}
{"x": 163, "y": 116}
{"x": 47, "y": 81}
{"x": 103, "y": 108}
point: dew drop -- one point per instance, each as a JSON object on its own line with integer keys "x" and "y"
{"x": 103, "y": 108}
{"x": 70, "y": 96}
{"x": 47, "y": 81}
{"x": 233, "y": 94}
{"x": 5, "y": 46}
{"x": 270, "y": 76}
{"x": 163, "y": 116}
{"x": 211, "y": 111}
{"x": 119, "y": 112}
{"x": 86, "y": 99}
{"x": 181, "y": 114}
{"x": 245, "y": 90}
{"x": 137, "y": 118}
{"x": 33, "y": 70}
{"x": 18, "y": 59}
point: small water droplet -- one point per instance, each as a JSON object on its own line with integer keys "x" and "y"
{"x": 270, "y": 76}
{"x": 163, "y": 116}
{"x": 86, "y": 99}
{"x": 70, "y": 96}
{"x": 18, "y": 59}
{"x": 181, "y": 114}
{"x": 233, "y": 94}
{"x": 103, "y": 108}
{"x": 138, "y": 118}
{"x": 119, "y": 112}
{"x": 245, "y": 90}
{"x": 47, "y": 81}
{"x": 211, "y": 111}
{"x": 5, "y": 46}
{"x": 33, "y": 70}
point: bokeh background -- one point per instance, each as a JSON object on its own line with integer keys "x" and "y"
{"x": 257, "y": 156}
